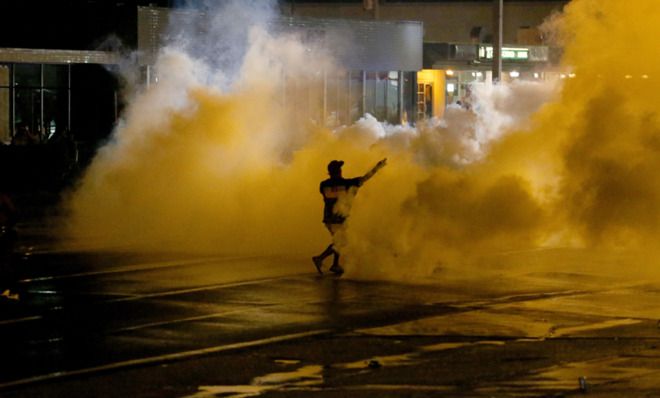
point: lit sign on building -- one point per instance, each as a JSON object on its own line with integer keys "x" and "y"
{"x": 507, "y": 53}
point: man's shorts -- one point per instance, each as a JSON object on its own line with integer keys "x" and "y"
{"x": 334, "y": 228}
{"x": 338, "y": 232}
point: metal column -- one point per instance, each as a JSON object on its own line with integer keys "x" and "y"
{"x": 42, "y": 125}
{"x": 401, "y": 99}
{"x": 364, "y": 92}
{"x": 498, "y": 8}
{"x": 12, "y": 101}
{"x": 68, "y": 94}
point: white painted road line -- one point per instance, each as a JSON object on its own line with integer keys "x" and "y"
{"x": 161, "y": 294}
{"x": 177, "y": 356}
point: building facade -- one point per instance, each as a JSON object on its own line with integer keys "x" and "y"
{"x": 375, "y": 67}
{"x": 445, "y": 21}
{"x": 46, "y": 92}
{"x": 409, "y": 60}
{"x": 458, "y": 35}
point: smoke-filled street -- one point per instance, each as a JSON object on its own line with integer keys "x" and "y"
{"x": 103, "y": 324}
{"x": 342, "y": 199}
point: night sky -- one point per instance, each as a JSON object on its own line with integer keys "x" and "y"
{"x": 69, "y": 24}
{"x": 99, "y": 25}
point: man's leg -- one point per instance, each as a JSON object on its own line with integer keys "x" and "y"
{"x": 336, "y": 268}
{"x": 328, "y": 251}
{"x": 318, "y": 260}
{"x": 335, "y": 229}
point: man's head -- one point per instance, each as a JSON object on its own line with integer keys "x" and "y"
{"x": 334, "y": 168}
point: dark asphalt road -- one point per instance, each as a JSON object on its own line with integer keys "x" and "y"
{"x": 104, "y": 324}
{"x": 87, "y": 313}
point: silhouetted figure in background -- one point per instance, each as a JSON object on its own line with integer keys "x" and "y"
{"x": 333, "y": 189}
{"x": 24, "y": 136}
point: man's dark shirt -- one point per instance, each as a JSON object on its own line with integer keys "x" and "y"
{"x": 332, "y": 189}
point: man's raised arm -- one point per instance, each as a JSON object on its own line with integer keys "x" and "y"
{"x": 373, "y": 171}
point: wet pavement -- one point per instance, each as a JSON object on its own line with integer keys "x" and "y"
{"x": 131, "y": 325}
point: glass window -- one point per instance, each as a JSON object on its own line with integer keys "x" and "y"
{"x": 382, "y": 96}
{"x": 28, "y": 75}
{"x": 337, "y": 99}
{"x": 370, "y": 93}
{"x": 409, "y": 97}
{"x": 392, "y": 97}
{"x": 56, "y": 75}
{"x": 55, "y": 111}
{"x": 28, "y": 111}
{"x": 356, "y": 96}
{"x": 342, "y": 98}
{"x": 380, "y": 99}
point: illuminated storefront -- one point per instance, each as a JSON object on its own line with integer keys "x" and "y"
{"x": 451, "y": 69}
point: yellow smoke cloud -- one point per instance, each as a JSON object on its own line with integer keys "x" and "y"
{"x": 195, "y": 169}
{"x": 583, "y": 174}
{"x": 610, "y": 187}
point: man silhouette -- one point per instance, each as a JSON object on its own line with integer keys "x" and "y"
{"x": 334, "y": 189}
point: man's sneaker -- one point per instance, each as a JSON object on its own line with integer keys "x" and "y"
{"x": 337, "y": 270}
{"x": 318, "y": 263}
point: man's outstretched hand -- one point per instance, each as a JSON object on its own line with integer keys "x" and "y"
{"x": 373, "y": 171}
